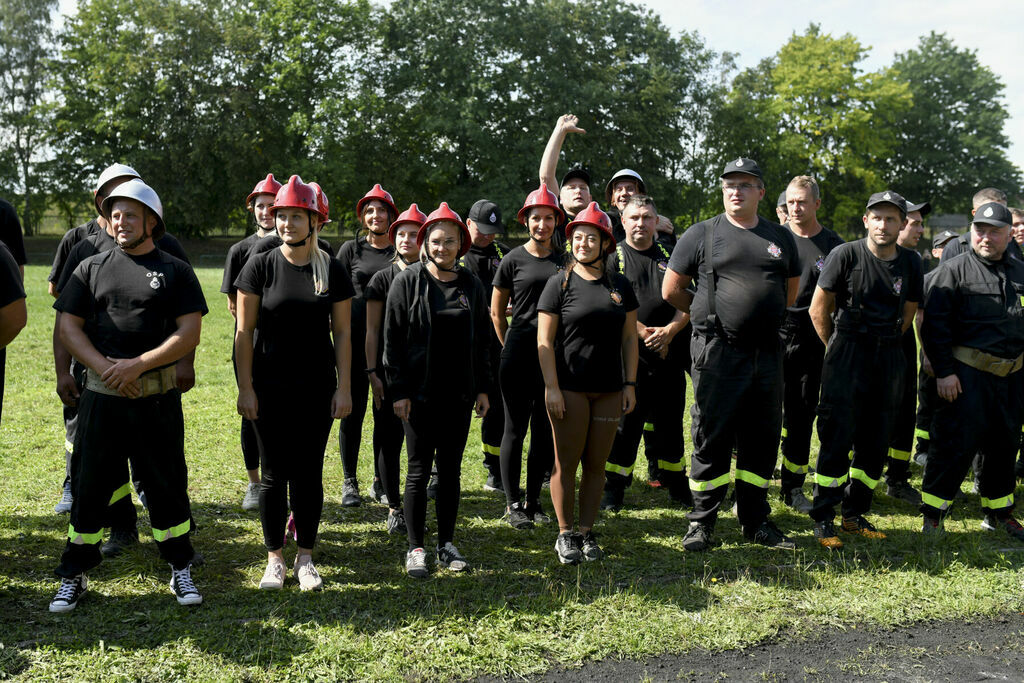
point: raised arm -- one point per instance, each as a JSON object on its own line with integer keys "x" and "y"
{"x": 549, "y": 162}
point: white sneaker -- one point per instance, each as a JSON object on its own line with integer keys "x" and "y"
{"x": 273, "y": 576}
{"x": 308, "y": 578}
{"x": 251, "y": 501}
{"x": 70, "y": 591}
{"x": 184, "y": 588}
{"x": 416, "y": 563}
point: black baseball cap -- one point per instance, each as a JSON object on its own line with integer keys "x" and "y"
{"x": 993, "y": 213}
{"x": 924, "y": 207}
{"x": 576, "y": 172}
{"x": 487, "y": 217}
{"x": 888, "y": 197}
{"x": 742, "y": 165}
{"x": 942, "y": 238}
{"x": 782, "y": 199}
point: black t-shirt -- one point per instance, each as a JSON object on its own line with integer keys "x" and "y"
{"x": 860, "y": 280}
{"x": 377, "y": 290}
{"x": 645, "y": 271}
{"x": 10, "y": 232}
{"x": 811, "y": 253}
{"x": 751, "y": 268}
{"x": 238, "y": 254}
{"x": 588, "y": 344}
{"x": 67, "y": 243}
{"x": 11, "y": 288}
{"x": 293, "y": 347}
{"x": 483, "y": 262}
{"x": 449, "y": 342}
{"x": 130, "y": 303}
{"x": 525, "y": 276}
{"x": 101, "y": 242}
{"x": 361, "y": 262}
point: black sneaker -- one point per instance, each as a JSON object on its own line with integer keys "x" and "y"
{"x": 449, "y": 557}
{"x": 902, "y": 490}
{"x": 119, "y": 541}
{"x": 350, "y": 497}
{"x": 432, "y": 486}
{"x": 770, "y": 536}
{"x": 1007, "y": 523}
{"x": 183, "y": 587}
{"x": 589, "y": 547}
{"x": 536, "y": 513}
{"x": 377, "y": 491}
{"x": 69, "y": 593}
{"x": 395, "y": 522}
{"x": 568, "y": 548}
{"x": 493, "y": 482}
{"x": 933, "y": 527}
{"x": 611, "y": 500}
{"x": 699, "y": 537}
{"x": 825, "y": 534}
{"x": 517, "y": 517}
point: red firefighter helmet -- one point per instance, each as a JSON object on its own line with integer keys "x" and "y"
{"x": 412, "y": 216}
{"x": 381, "y": 195}
{"x": 595, "y": 217}
{"x": 323, "y": 206}
{"x": 542, "y": 196}
{"x": 268, "y": 185}
{"x": 295, "y": 194}
{"x": 438, "y": 215}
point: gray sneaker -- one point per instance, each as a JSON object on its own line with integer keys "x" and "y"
{"x": 395, "y": 522}
{"x": 449, "y": 557}
{"x": 567, "y": 547}
{"x": 698, "y": 537}
{"x": 796, "y": 499}
{"x": 589, "y": 547}
{"x": 350, "y": 497}
{"x": 66, "y": 499}
{"x": 416, "y": 563}
{"x": 251, "y": 501}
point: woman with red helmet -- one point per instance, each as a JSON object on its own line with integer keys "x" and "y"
{"x": 370, "y": 252}
{"x": 259, "y": 202}
{"x": 435, "y": 357}
{"x": 402, "y": 234}
{"x": 297, "y": 377}
{"x": 589, "y": 374}
{"x": 521, "y": 277}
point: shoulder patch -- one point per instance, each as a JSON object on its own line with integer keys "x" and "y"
{"x": 774, "y": 250}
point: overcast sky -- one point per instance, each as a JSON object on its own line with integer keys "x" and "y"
{"x": 754, "y": 30}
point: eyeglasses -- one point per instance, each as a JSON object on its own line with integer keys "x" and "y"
{"x": 737, "y": 187}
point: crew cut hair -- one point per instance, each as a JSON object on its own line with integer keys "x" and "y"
{"x": 806, "y": 182}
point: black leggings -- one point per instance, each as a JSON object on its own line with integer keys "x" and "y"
{"x": 522, "y": 391}
{"x": 388, "y": 449}
{"x": 250, "y": 447}
{"x": 292, "y": 436}
{"x": 350, "y": 430}
{"x": 437, "y": 427}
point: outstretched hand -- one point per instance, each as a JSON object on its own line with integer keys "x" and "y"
{"x": 568, "y": 123}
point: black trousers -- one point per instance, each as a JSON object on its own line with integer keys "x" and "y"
{"x": 986, "y": 420}
{"x": 927, "y": 400}
{"x": 250, "y": 448}
{"x": 902, "y": 440}
{"x": 435, "y": 432}
{"x": 350, "y": 429}
{"x": 522, "y": 388}
{"x": 292, "y": 432}
{"x": 112, "y": 429}
{"x": 492, "y": 427}
{"x": 802, "y": 356}
{"x": 737, "y": 402}
{"x": 861, "y": 381}
{"x": 660, "y": 396}
{"x": 388, "y": 450}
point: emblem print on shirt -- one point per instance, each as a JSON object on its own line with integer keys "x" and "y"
{"x": 662, "y": 266}
{"x": 897, "y": 285}
{"x": 616, "y": 298}
{"x": 774, "y": 250}
{"x": 463, "y": 301}
{"x": 820, "y": 263}
{"x": 155, "y": 282}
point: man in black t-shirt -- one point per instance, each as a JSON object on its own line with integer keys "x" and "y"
{"x": 10, "y": 237}
{"x": 482, "y": 259}
{"x": 13, "y": 314}
{"x": 874, "y": 286}
{"x": 662, "y": 334}
{"x": 803, "y": 352}
{"x": 128, "y": 315}
{"x": 747, "y": 273}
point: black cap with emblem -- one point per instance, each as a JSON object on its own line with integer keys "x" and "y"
{"x": 924, "y": 207}
{"x": 487, "y": 217}
{"x": 888, "y": 197}
{"x": 576, "y": 172}
{"x": 943, "y": 238}
{"x": 741, "y": 165}
{"x": 993, "y": 213}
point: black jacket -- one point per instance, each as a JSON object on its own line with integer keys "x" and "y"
{"x": 408, "y": 317}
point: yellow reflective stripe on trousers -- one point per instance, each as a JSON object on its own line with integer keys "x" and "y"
{"x": 648, "y": 426}
{"x": 935, "y": 501}
{"x": 897, "y": 454}
{"x": 709, "y": 485}
{"x": 794, "y": 468}
{"x": 785, "y": 432}
{"x": 670, "y": 466}
{"x": 862, "y": 477}
{"x": 829, "y": 482}
{"x": 492, "y": 450}
{"x": 997, "y": 503}
{"x": 120, "y": 493}
{"x": 173, "y": 532}
{"x": 85, "y": 539}
{"x": 922, "y": 433}
{"x": 751, "y": 478}
{"x": 618, "y": 469}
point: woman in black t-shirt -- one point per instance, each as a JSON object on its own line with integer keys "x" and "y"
{"x": 402, "y": 234}
{"x": 371, "y": 251}
{"x": 589, "y": 374}
{"x": 297, "y": 377}
{"x": 521, "y": 277}
{"x": 435, "y": 358}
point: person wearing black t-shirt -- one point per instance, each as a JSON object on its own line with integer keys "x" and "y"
{"x": 294, "y": 375}
{"x": 482, "y": 259}
{"x": 803, "y": 352}
{"x": 258, "y": 205}
{"x": 662, "y": 334}
{"x": 587, "y": 346}
{"x": 435, "y": 357}
{"x": 521, "y": 277}
{"x": 10, "y": 237}
{"x": 128, "y": 315}
{"x": 402, "y": 234}
{"x": 13, "y": 314}
{"x": 368, "y": 253}
{"x": 873, "y": 286}
{"x": 747, "y": 273}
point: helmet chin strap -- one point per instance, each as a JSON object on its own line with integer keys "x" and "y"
{"x": 137, "y": 241}
{"x": 440, "y": 267}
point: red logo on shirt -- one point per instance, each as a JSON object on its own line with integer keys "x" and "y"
{"x": 773, "y": 250}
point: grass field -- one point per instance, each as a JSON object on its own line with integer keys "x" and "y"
{"x": 518, "y": 612}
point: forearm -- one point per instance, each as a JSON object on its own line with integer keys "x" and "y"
{"x": 500, "y": 323}
{"x": 549, "y": 160}
{"x": 243, "y": 358}
{"x": 178, "y": 345}
{"x": 79, "y": 345}
{"x": 343, "y": 359}
{"x": 61, "y": 356}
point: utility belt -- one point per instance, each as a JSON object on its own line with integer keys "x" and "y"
{"x": 986, "y": 362}
{"x": 863, "y": 334}
{"x": 151, "y": 383}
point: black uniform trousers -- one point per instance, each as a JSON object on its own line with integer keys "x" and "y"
{"x": 861, "y": 383}
{"x": 902, "y": 440}
{"x": 111, "y": 430}
{"x": 350, "y": 429}
{"x": 492, "y": 427}
{"x": 737, "y": 402}
{"x": 802, "y": 356}
{"x": 388, "y": 449}
{"x": 985, "y": 419}
{"x": 658, "y": 417}
{"x": 927, "y": 400}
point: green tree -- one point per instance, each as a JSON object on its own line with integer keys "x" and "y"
{"x": 952, "y": 141}
{"x": 25, "y": 42}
